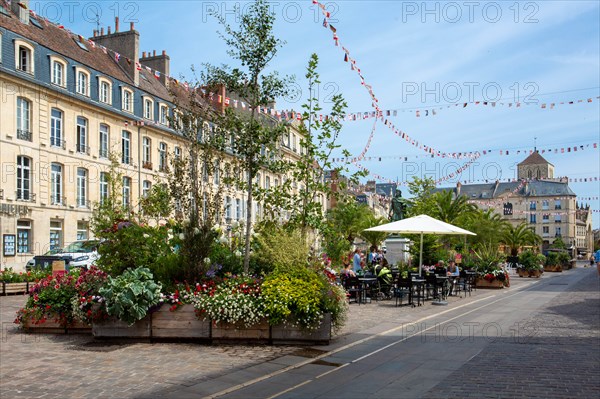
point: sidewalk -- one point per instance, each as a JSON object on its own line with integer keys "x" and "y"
{"x": 51, "y": 366}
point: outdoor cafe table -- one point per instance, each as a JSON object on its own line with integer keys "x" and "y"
{"x": 367, "y": 283}
{"x": 419, "y": 288}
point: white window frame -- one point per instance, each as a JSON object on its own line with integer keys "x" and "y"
{"x": 30, "y": 67}
{"x": 82, "y": 88}
{"x": 56, "y": 126}
{"x": 56, "y": 230}
{"x": 146, "y": 152}
{"x": 126, "y": 147}
{"x": 162, "y": 156}
{"x": 105, "y": 99}
{"x": 177, "y": 152}
{"x": 104, "y": 193}
{"x": 146, "y": 187}
{"x": 126, "y": 192}
{"x": 83, "y": 230}
{"x": 238, "y": 209}
{"x": 81, "y": 134}
{"x": 56, "y": 183}
{"x": 82, "y": 185}
{"x": 127, "y": 104}
{"x": 23, "y": 178}
{"x": 148, "y": 107}
{"x": 228, "y": 207}
{"x": 163, "y": 114}
{"x": 55, "y": 60}
{"x": 103, "y": 140}
{"x": 24, "y": 118}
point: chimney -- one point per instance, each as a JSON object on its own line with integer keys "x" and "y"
{"x": 21, "y": 12}
{"x": 102, "y": 31}
{"x": 131, "y": 26}
{"x": 160, "y": 63}
{"x": 125, "y": 43}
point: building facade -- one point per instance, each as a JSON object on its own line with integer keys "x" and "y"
{"x": 68, "y": 103}
{"x": 547, "y": 204}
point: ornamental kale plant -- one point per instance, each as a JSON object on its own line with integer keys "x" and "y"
{"x": 129, "y": 296}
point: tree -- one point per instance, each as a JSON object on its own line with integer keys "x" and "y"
{"x": 422, "y": 201}
{"x": 488, "y": 226}
{"x": 196, "y": 200}
{"x": 517, "y": 237}
{"x": 317, "y": 143}
{"x": 253, "y": 46}
{"x": 374, "y": 238}
{"x": 452, "y": 209}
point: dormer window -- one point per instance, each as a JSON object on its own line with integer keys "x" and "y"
{"x": 104, "y": 90}
{"x": 148, "y": 108}
{"x": 24, "y": 59}
{"x": 164, "y": 112}
{"x": 82, "y": 81}
{"x": 57, "y": 71}
{"x": 127, "y": 103}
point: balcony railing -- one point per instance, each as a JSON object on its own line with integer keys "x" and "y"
{"x": 58, "y": 200}
{"x": 58, "y": 143}
{"x": 24, "y": 135}
{"x": 558, "y": 235}
{"x": 81, "y": 203}
{"x": 82, "y": 149}
{"x": 557, "y": 207}
{"x": 1, "y": 193}
{"x": 103, "y": 153}
{"x": 126, "y": 160}
{"x": 24, "y": 196}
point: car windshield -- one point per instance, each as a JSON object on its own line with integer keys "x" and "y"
{"x": 81, "y": 246}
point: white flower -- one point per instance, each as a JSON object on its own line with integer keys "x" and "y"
{"x": 181, "y": 236}
{"x": 223, "y": 240}
{"x": 207, "y": 261}
{"x": 146, "y": 235}
{"x": 196, "y": 231}
{"x": 237, "y": 253}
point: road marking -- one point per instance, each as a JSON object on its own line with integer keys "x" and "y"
{"x": 360, "y": 341}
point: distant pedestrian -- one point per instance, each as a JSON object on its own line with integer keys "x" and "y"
{"x": 356, "y": 260}
{"x": 597, "y": 256}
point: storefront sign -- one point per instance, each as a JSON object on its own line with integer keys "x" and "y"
{"x": 8, "y": 244}
{"x": 14, "y": 210}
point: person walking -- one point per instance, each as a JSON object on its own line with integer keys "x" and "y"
{"x": 356, "y": 261}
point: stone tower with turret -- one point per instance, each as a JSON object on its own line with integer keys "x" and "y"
{"x": 535, "y": 167}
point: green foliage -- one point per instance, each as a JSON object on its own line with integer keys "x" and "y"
{"x": 129, "y": 296}
{"x": 431, "y": 248}
{"x": 517, "y": 237}
{"x": 8, "y": 275}
{"x": 128, "y": 245}
{"x": 558, "y": 243}
{"x": 488, "y": 226}
{"x": 560, "y": 258}
{"x": 168, "y": 270}
{"x": 297, "y": 292}
{"x": 422, "y": 202}
{"x": 252, "y": 46}
{"x": 487, "y": 258}
{"x": 231, "y": 300}
{"x": 157, "y": 204}
{"x": 277, "y": 247}
{"x": 452, "y": 209}
{"x": 374, "y": 238}
{"x": 530, "y": 261}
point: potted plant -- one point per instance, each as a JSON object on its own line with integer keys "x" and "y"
{"x": 531, "y": 264}
{"x": 490, "y": 275}
{"x": 128, "y": 298}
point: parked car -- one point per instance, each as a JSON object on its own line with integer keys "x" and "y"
{"x": 81, "y": 254}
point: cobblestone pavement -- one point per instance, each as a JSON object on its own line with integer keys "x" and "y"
{"x": 558, "y": 358}
{"x": 74, "y": 366}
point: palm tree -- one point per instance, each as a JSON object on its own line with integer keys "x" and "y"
{"x": 517, "y": 237}
{"x": 487, "y": 225}
{"x": 374, "y": 238}
{"x": 451, "y": 209}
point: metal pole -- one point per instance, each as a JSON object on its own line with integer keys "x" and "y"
{"x": 421, "y": 255}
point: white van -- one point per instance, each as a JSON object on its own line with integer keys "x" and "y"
{"x": 81, "y": 254}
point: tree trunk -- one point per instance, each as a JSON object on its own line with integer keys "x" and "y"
{"x": 248, "y": 222}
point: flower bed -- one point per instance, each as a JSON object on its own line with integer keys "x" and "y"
{"x": 493, "y": 279}
{"x": 483, "y": 283}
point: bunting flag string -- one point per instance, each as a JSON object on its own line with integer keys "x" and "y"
{"x": 503, "y": 152}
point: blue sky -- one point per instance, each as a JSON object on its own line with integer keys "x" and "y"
{"x": 416, "y": 55}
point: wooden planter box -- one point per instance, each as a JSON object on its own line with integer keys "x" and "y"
{"x": 287, "y": 333}
{"x": 181, "y": 323}
{"x": 532, "y": 273}
{"x": 114, "y": 328}
{"x": 239, "y": 332}
{"x": 482, "y": 283}
{"x": 555, "y": 268}
{"x": 14, "y": 288}
{"x": 53, "y": 327}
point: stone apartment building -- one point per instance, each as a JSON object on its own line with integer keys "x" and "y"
{"x": 544, "y": 202}
{"x": 66, "y": 104}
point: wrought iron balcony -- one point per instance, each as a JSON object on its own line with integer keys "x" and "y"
{"x": 24, "y": 135}
{"x": 83, "y": 149}
{"x": 24, "y": 196}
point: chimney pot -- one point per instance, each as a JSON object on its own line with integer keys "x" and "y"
{"x": 116, "y": 24}
{"x": 154, "y": 53}
{"x": 102, "y": 31}
{"x": 164, "y": 52}
{"x": 108, "y": 30}
{"x": 143, "y": 54}
{"x": 131, "y": 26}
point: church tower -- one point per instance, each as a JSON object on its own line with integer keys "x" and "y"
{"x": 535, "y": 167}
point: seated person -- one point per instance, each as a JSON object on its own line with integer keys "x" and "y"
{"x": 440, "y": 270}
{"x": 453, "y": 270}
{"x": 347, "y": 271}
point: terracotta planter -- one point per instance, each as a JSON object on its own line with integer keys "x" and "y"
{"x": 14, "y": 288}
{"x": 180, "y": 323}
{"x": 287, "y": 333}
{"x": 483, "y": 283}
{"x": 535, "y": 273}
{"x": 114, "y": 328}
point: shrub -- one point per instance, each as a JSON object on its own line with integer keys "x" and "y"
{"x": 129, "y": 296}
{"x": 275, "y": 247}
{"x": 531, "y": 261}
